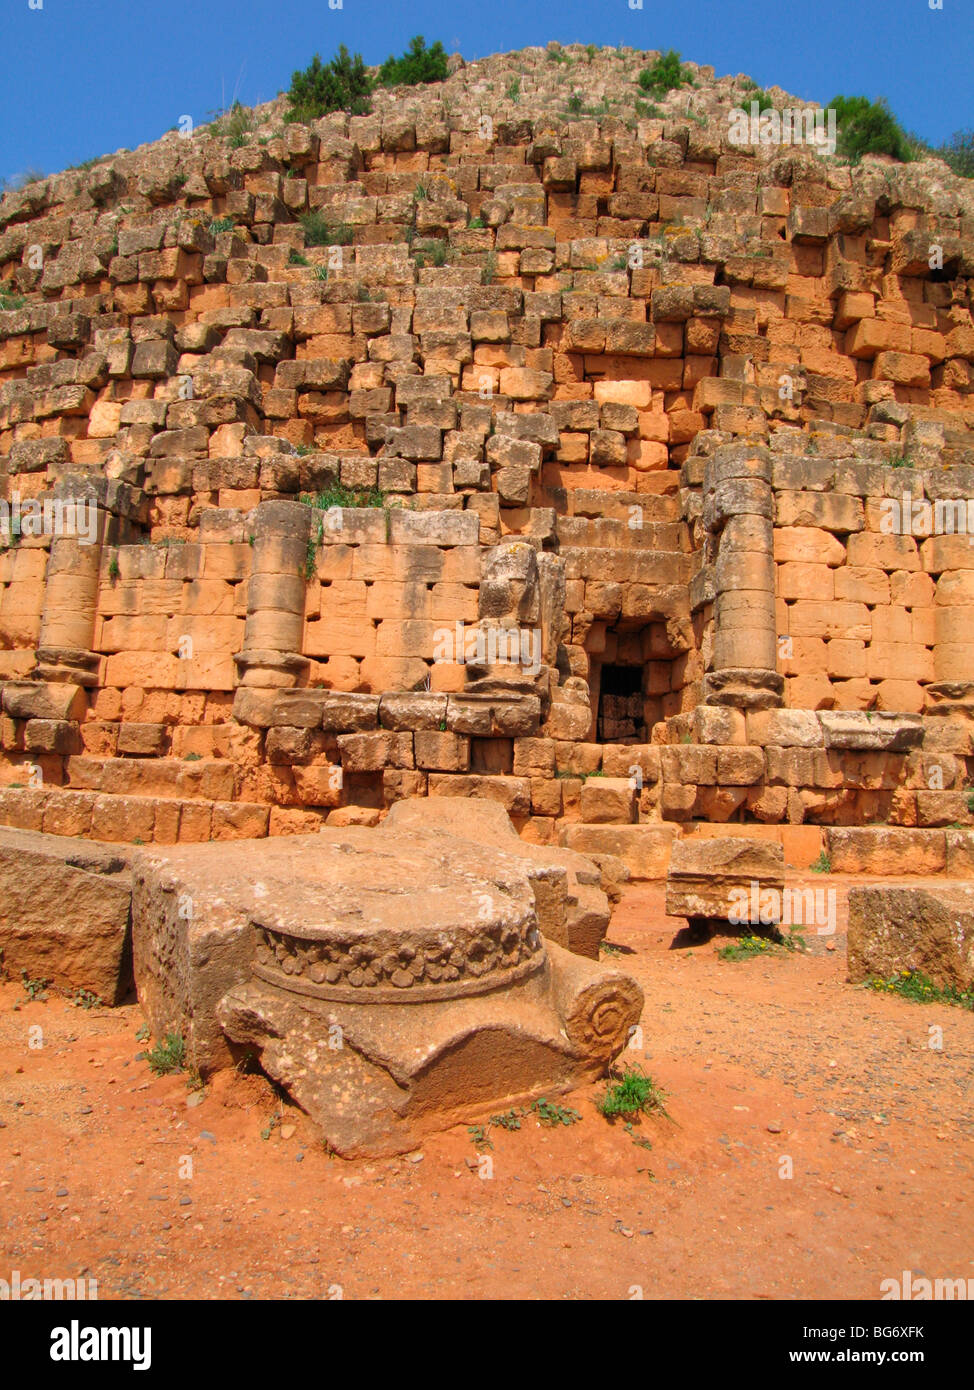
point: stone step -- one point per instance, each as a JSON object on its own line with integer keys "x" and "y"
{"x": 900, "y": 850}
{"x": 148, "y": 819}
{"x": 206, "y": 779}
{"x": 644, "y": 849}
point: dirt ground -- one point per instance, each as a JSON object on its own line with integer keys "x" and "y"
{"x": 770, "y": 1065}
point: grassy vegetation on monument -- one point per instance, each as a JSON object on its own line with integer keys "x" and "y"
{"x": 11, "y": 301}
{"x": 343, "y": 84}
{"x": 958, "y": 152}
{"x": 665, "y": 75}
{"x": 320, "y": 230}
{"x": 869, "y": 127}
{"x": 234, "y": 125}
{"x": 338, "y": 495}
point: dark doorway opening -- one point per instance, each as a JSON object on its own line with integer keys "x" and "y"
{"x": 622, "y": 705}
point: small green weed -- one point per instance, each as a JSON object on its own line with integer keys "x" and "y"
{"x": 509, "y": 1120}
{"x": 632, "y": 1093}
{"x": 85, "y": 999}
{"x": 913, "y": 984}
{"x": 550, "y": 1115}
{"x": 167, "y": 1056}
{"x": 36, "y": 990}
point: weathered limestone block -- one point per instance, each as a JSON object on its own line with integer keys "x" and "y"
{"x": 712, "y": 880}
{"x": 871, "y": 730}
{"x": 493, "y": 716}
{"x": 414, "y": 710}
{"x": 608, "y": 799}
{"x": 43, "y": 700}
{"x": 893, "y": 929}
{"x": 644, "y": 849}
{"x": 888, "y": 850}
{"x": 64, "y": 912}
{"x": 349, "y": 711}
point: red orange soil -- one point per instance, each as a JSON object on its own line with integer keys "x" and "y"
{"x": 763, "y": 1059}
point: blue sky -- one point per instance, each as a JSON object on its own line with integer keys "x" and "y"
{"x": 85, "y": 77}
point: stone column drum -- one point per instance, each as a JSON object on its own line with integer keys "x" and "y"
{"x": 738, "y": 514}
{"x": 66, "y": 637}
{"x": 273, "y": 634}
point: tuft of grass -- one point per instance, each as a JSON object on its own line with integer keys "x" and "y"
{"x": 665, "y": 75}
{"x": 434, "y": 251}
{"x": 913, "y": 984}
{"x": 235, "y": 125}
{"x": 759, "y": 95}
{"x": 513, "y": 92}
{"x": 958, "y": 152}
{"x": 168, "y": 1056}
{"x": 335, "y": 495}
{"x": 970, "y": 801}
{"x": 221, "y": 224}
{"x": 900, "y": 461}
{"x": 339, "y": 495}
{"x": 320, "y": 230}
{"x": 631, "y": 1093}
{"x": 823, "y": 864}
{"x": 11, "y": 301}
{"x": 296, "y": 258}
{"x": 489, "y": 271}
